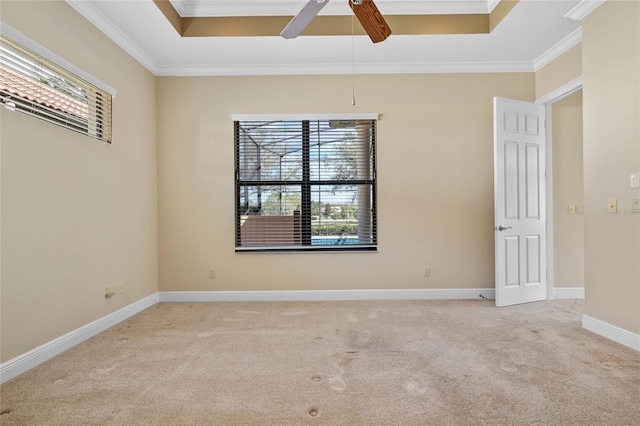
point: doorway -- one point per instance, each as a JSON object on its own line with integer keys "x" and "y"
{"x": 565, "y": 220}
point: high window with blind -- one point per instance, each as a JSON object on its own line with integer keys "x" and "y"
{"x": 34, "y": 85}
{"x": 305, "y": 184}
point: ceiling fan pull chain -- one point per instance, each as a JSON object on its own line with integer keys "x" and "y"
{"x": 353, "y": 65}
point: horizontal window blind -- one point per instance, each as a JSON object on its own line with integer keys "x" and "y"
{"x": 305, "y": 185}
{"x": 31, "y": 84}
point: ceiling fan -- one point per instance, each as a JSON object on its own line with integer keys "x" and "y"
{"x": 365, "y": 10}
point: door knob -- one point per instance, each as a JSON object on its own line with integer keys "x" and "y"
{"x": 502, "y": 228}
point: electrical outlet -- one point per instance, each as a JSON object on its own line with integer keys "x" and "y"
{"x": 108, "y": 292}
{"x": 120, "y": 288}
{"x": 212, "y": 274}
{"x": 635, "y": 205}
{"x": 427, "y": 272}
{"x": 612, "y": 205}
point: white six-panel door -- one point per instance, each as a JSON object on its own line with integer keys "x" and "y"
{"x": 519, "y": 199}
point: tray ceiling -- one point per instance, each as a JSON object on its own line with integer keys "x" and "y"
{"x": 532, "y": 33}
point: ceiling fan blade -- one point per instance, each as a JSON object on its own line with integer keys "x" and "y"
{"x": 303, "y": 18}
{"x": 371, "y": 20}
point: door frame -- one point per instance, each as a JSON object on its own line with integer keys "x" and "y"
{"x": 548, "y": 100}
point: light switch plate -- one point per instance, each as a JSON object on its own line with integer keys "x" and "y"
{"x": 634, "y": 181}
{"x": 635, "y": 205}
{"x": 571, "y": 209}
{"x": 612, "y": 205}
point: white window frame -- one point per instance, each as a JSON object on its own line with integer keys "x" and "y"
{"x": 303, "y": 247}
{"x": 97, "y": 87}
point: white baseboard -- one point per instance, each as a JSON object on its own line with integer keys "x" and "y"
{"x": 28, "y": 360}
{"x": 325, "y": 295}
{"x": 612, "y": 332}
{"x": 568, "y": 293}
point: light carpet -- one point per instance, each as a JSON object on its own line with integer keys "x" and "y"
{"x": 335, "y": 363}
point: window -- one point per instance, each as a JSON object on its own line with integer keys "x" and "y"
{"x": 34, "y": 85}
{"x": 305, "y": 184}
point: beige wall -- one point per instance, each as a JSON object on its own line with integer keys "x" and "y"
{"x": 77, "y": 215}
{"x": 560, "y": 71}
{"x": 611, "y": 71}
{"x": 435, "y": 180}
{"x": 568, "y": 234}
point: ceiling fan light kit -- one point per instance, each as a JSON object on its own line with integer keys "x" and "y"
{"x": 365, "y": 10}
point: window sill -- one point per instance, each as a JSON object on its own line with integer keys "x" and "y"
{"x": 298, "y": 249}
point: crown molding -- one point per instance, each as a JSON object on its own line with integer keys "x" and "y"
{"x": 321, "y": 69}
{"x": 582, "y": 9}
{"x": 554, "y": 96}
{"x": 491, "y": 4}
{"x": 558, "y": 49}
{"x": 91, "y": 14}
{"x": 191, "y": 8}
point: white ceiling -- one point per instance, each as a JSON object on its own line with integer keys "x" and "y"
{"x": 534, "y": 32}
